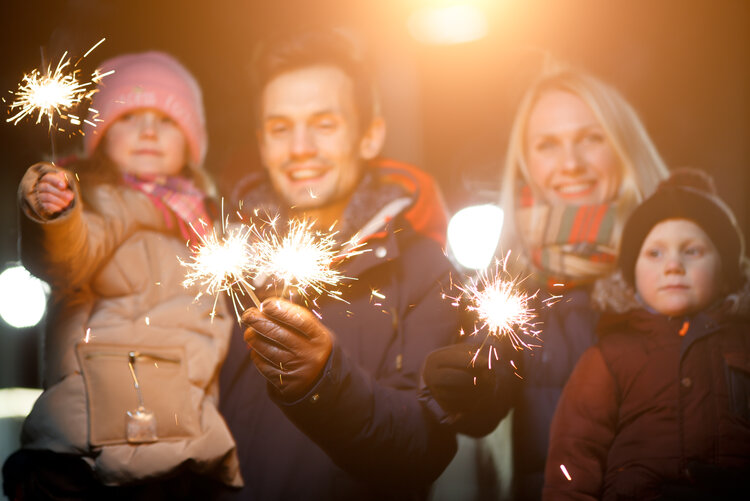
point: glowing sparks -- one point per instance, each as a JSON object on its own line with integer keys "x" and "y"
{"x": 49, "y": 93}
{"x": 502, "y": 309}
{"x": 220, "y": 263}
{"x": 303, "y": 259}
{"x": 565, "y": 472}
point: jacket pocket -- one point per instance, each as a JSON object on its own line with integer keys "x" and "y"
{"x": 129, "y": 386}
{"x": 738, "y": 383}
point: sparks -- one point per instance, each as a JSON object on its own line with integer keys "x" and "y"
{"x": 565, "y": 472}
{"x": 502, "y": 309}
{"x": 302, "y": 260}
{"x": 220, "y": 263}
{"x": 50, "y": 94}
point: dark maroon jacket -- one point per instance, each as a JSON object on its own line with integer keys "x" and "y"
{"x": 660, "y": 407}
{"x": 361, "y": 432}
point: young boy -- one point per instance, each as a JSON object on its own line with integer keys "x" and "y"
{"x": 660, "y": 407}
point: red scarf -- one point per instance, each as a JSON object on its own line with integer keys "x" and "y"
{"x": 178, "y": 199}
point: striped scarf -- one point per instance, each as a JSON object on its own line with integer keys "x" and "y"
{"x": 178, "y": 199}
{"x": 569, "y": 245}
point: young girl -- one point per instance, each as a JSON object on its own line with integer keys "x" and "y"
{"x": 660, "y": 407}
{"x": 131, "y": 359}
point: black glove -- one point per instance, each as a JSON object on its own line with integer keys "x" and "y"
{"x": 290, "y": 346}
{"x": 458, "y": 381}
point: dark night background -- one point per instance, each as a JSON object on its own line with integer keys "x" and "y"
{"x": 685, "y": 66}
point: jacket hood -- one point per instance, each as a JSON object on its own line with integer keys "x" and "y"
{"x": 427, "y": 213}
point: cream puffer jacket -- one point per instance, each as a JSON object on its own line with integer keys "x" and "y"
{"x": 131, "y": 358}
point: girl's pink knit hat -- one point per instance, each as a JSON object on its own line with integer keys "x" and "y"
{"x": 148, "y": 80}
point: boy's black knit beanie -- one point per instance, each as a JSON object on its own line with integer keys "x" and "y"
{"x": 686, "y": 194}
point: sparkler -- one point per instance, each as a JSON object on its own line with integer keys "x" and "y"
{"x": 50, "y": 94}
{"x": 501, "y": 308}
{"x": 221, "y": 264}
{"x": 303, "y": 259}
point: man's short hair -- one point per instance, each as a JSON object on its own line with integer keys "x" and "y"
{"x": 289, "y": 52}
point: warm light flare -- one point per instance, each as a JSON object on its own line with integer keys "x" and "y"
{"x": 448, "y": 24}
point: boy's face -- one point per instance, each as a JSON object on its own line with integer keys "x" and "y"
{"x": 678, "y": 270}
{"x": 309, "y": 136}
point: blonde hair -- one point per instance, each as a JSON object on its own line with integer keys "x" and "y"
{"x": 642, "y": 166}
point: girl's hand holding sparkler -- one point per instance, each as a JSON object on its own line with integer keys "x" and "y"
{"x": 53, "y": 194}
{"x": 290, "y": 345}
{"x": 49, "y": 191}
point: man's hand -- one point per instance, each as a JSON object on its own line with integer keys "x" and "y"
{"x": 458, "y": 381}
{"x": 53, "y": 194}
{"x": 290, "y": 346}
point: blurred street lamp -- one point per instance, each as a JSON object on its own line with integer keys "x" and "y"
{"x": 448, "y": 24}
{"x": 473, "y": 235}
{"x": 23, "y": 298}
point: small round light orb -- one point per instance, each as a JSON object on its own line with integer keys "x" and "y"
{"x": 473, "y": 235}
{"x": 23, "y": 298}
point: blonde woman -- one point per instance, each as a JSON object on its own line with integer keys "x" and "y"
{"x": 579, "y": 161}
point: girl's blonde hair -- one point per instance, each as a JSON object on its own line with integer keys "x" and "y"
{"x": 642, "y": 166}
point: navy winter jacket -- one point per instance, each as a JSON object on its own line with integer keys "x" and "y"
{"x": 360, "y": 433}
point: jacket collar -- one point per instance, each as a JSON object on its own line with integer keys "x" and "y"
{"x": 690, "y": 328}
{"x": 378, "y": 249}
{"x": 388, "y": 188}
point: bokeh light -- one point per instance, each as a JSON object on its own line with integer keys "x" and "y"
{"x": 23, "y": 298}
{"x": 473, "y": 235}
{"x": 447, "y": 25}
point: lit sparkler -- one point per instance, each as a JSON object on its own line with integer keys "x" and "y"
{"x": 303, "y": 259}
{"x": 245, "y": 254}
{"x": 51, "y": 93}
{"x": 501, "y": 308}
{"x": 221, "y": 264}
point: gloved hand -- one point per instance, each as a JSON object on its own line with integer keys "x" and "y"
{"x": 459, "y": 382}
{"x": 290, "y": 345}
{"x": 52, "y": 194}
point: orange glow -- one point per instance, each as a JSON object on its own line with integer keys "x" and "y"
{"x": 448, "y": 24}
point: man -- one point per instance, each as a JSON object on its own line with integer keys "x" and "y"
{"x": 327, "y": 408}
